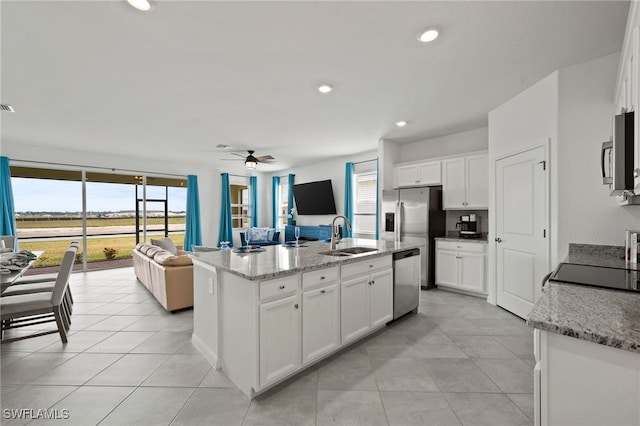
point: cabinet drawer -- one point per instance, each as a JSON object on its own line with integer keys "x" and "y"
{"x": 366, "y": 266}
{"x": 320, "y": 277}
{"x": 277, "y": 288}
{"x": 457, "y": 246}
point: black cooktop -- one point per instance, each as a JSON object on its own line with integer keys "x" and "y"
{"x": 597, "y": 276}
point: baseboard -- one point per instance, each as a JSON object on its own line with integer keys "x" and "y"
{"x": 205, "y": 351}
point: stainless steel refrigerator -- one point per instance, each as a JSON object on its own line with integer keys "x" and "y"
{"x": 415, "y": 215}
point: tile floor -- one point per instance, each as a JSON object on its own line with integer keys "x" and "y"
{"x": 459, "y": 361}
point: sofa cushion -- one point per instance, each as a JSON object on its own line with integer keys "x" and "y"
{"x": 153, "y": 250}
{"x": 166, "y": 244}
{"x": 275, "y": 236}
{"x": 259, "y": 234}
{"x": 167, "y": 259}
{"x": 143, "y": 247}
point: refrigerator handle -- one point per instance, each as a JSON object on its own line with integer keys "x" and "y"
{"x": 398, "y": 224}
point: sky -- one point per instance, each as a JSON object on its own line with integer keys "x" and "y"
{"x": 66, "y": 196}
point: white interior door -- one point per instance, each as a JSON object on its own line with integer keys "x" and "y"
{"x": 521, "y": 229}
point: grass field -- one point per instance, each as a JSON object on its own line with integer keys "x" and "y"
{"x": 54, "y": 249}
{"x": 73, "y": 223}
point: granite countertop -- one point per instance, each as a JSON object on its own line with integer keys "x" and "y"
{"x": 455, "y": 236}
{"x": 598, "y": 315}
{"x": 278, "y": 260}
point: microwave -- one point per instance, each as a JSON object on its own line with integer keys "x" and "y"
{"x": 617, "y": 156}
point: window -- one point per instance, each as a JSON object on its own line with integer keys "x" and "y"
{"x": 365, "y": 195}
{"x": 283, "y": 201}
{"x": 240, "y": 204}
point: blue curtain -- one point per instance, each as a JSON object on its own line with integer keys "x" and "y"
{"x": 377, "y": 197}
{"x": 193, "y": 232}
{"x": 253, "y": 195}
{"x": 226, "y": 224}
{"x": 275, "y": 190}
{"x": 292, "y": 179}
{"x": 7, "y": 211}
{"x": 348, "y": 199}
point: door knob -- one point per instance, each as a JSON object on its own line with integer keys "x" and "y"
{"x": 498, "y": 240}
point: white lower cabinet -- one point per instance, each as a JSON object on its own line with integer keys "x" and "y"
{"x": 279, "y": 338}
{"x": 461, "y": 265}
{"x": 320, "y": 322}
{"x": 366, "y": 301}
{"x": 577, "y": 382}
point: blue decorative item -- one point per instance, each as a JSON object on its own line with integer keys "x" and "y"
{"x": 348, "y": 199}
{"x": 193, "y": 232}
{"x": 7, "y": 210}
{"x": 275, "y": 191}
{"x": 226, "y": 223}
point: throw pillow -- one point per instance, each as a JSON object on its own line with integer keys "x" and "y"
{"x": 167, "y": 259}
{"x": 276, "y": 236}
{"x": 166, "y": 244}
{"x": 259, "y": 234}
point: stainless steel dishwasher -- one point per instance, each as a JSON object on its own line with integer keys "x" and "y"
{"x": 406, "y": 282}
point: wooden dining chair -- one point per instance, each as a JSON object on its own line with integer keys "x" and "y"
{"x": 8, "y": 240}
{"x": 24, "y": 310}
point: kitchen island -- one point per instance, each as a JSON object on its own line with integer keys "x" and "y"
{"x": 262, "y": 317}
{"x": 587, "y": 348}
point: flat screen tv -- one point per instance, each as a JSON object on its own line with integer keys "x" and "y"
{"x": 314, "y": 198}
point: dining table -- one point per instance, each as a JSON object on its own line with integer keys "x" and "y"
{"x": 6, "y": 280}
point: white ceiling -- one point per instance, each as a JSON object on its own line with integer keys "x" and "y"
{"x": 174, "y": 82}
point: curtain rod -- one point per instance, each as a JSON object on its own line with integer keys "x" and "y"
{"x": 365, "y": 161}
{"x": 98, "y": 168}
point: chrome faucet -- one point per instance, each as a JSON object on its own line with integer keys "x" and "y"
{"x": 335, "y": 230}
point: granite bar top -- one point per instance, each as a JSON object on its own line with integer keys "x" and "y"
{"x": 455, "y": 236}
{"x": 279, "y": 260}
{"x": 598, "y": 315}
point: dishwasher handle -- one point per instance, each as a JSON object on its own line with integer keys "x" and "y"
{"x": 406, "y": 253}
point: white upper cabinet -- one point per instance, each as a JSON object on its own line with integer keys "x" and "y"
{"x": 422, "y": 174}
{"x": 627, "y": 87}
{"x": 465, "y": 182}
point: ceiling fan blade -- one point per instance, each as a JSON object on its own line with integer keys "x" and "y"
{"x": 264, "y": 158}
{"x": 238, "y": 154}
{"x": 232, "y": 159}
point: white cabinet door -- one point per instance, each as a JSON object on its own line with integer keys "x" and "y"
{"x": 354, "y": 309}
{"x": 406, "y": 175}
{"x": 430, "y": 173}
{"x": 279, "y": 339}
{"x": 320, "y": 322}
{"x": 453, "y": 183}
{"x": 477, "y": 182}
{"x": 447, "y": 268}
{"x": 381, "y": 297}
{"x": 471, "y": 271}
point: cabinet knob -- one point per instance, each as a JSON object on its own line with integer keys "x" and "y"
{"x": 295, "y": 306}
{"x": 323, "y": 291}
{"x": 370, "y": 282}
{"x": 498, "y": 240}
{"x": 322, "y": 278}
{"x": 370, "y": 266}
{"x": 281, "y": 287}
{"x": 373, "y": 282}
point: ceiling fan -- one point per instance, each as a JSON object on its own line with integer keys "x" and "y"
{"x": 251, "y": 161}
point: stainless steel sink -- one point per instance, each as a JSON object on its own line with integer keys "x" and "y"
{"x": 348, "y": 251}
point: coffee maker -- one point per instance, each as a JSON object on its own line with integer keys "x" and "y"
{"x": 469, "y": 226}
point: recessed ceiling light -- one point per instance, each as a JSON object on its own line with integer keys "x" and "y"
{"x": 223, "y": 146}
{"x": 140, "y": 4}
{"x": 429, "y": 35}
{"x": 325, "y": 88}
{"x": 401, "y": 123}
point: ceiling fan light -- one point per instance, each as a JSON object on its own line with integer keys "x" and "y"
{"x": 143, "y": 5}
{"x": 250, "y": 162}
{"x": 428, "y": 35}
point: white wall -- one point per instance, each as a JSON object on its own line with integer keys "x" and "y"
{"x": 528, "y": 119}
{"x": 209, "y": 180}
{"x": 587, "y": 214}
{"x": 453, "y": 144}
{"x": 333, "y": 169}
